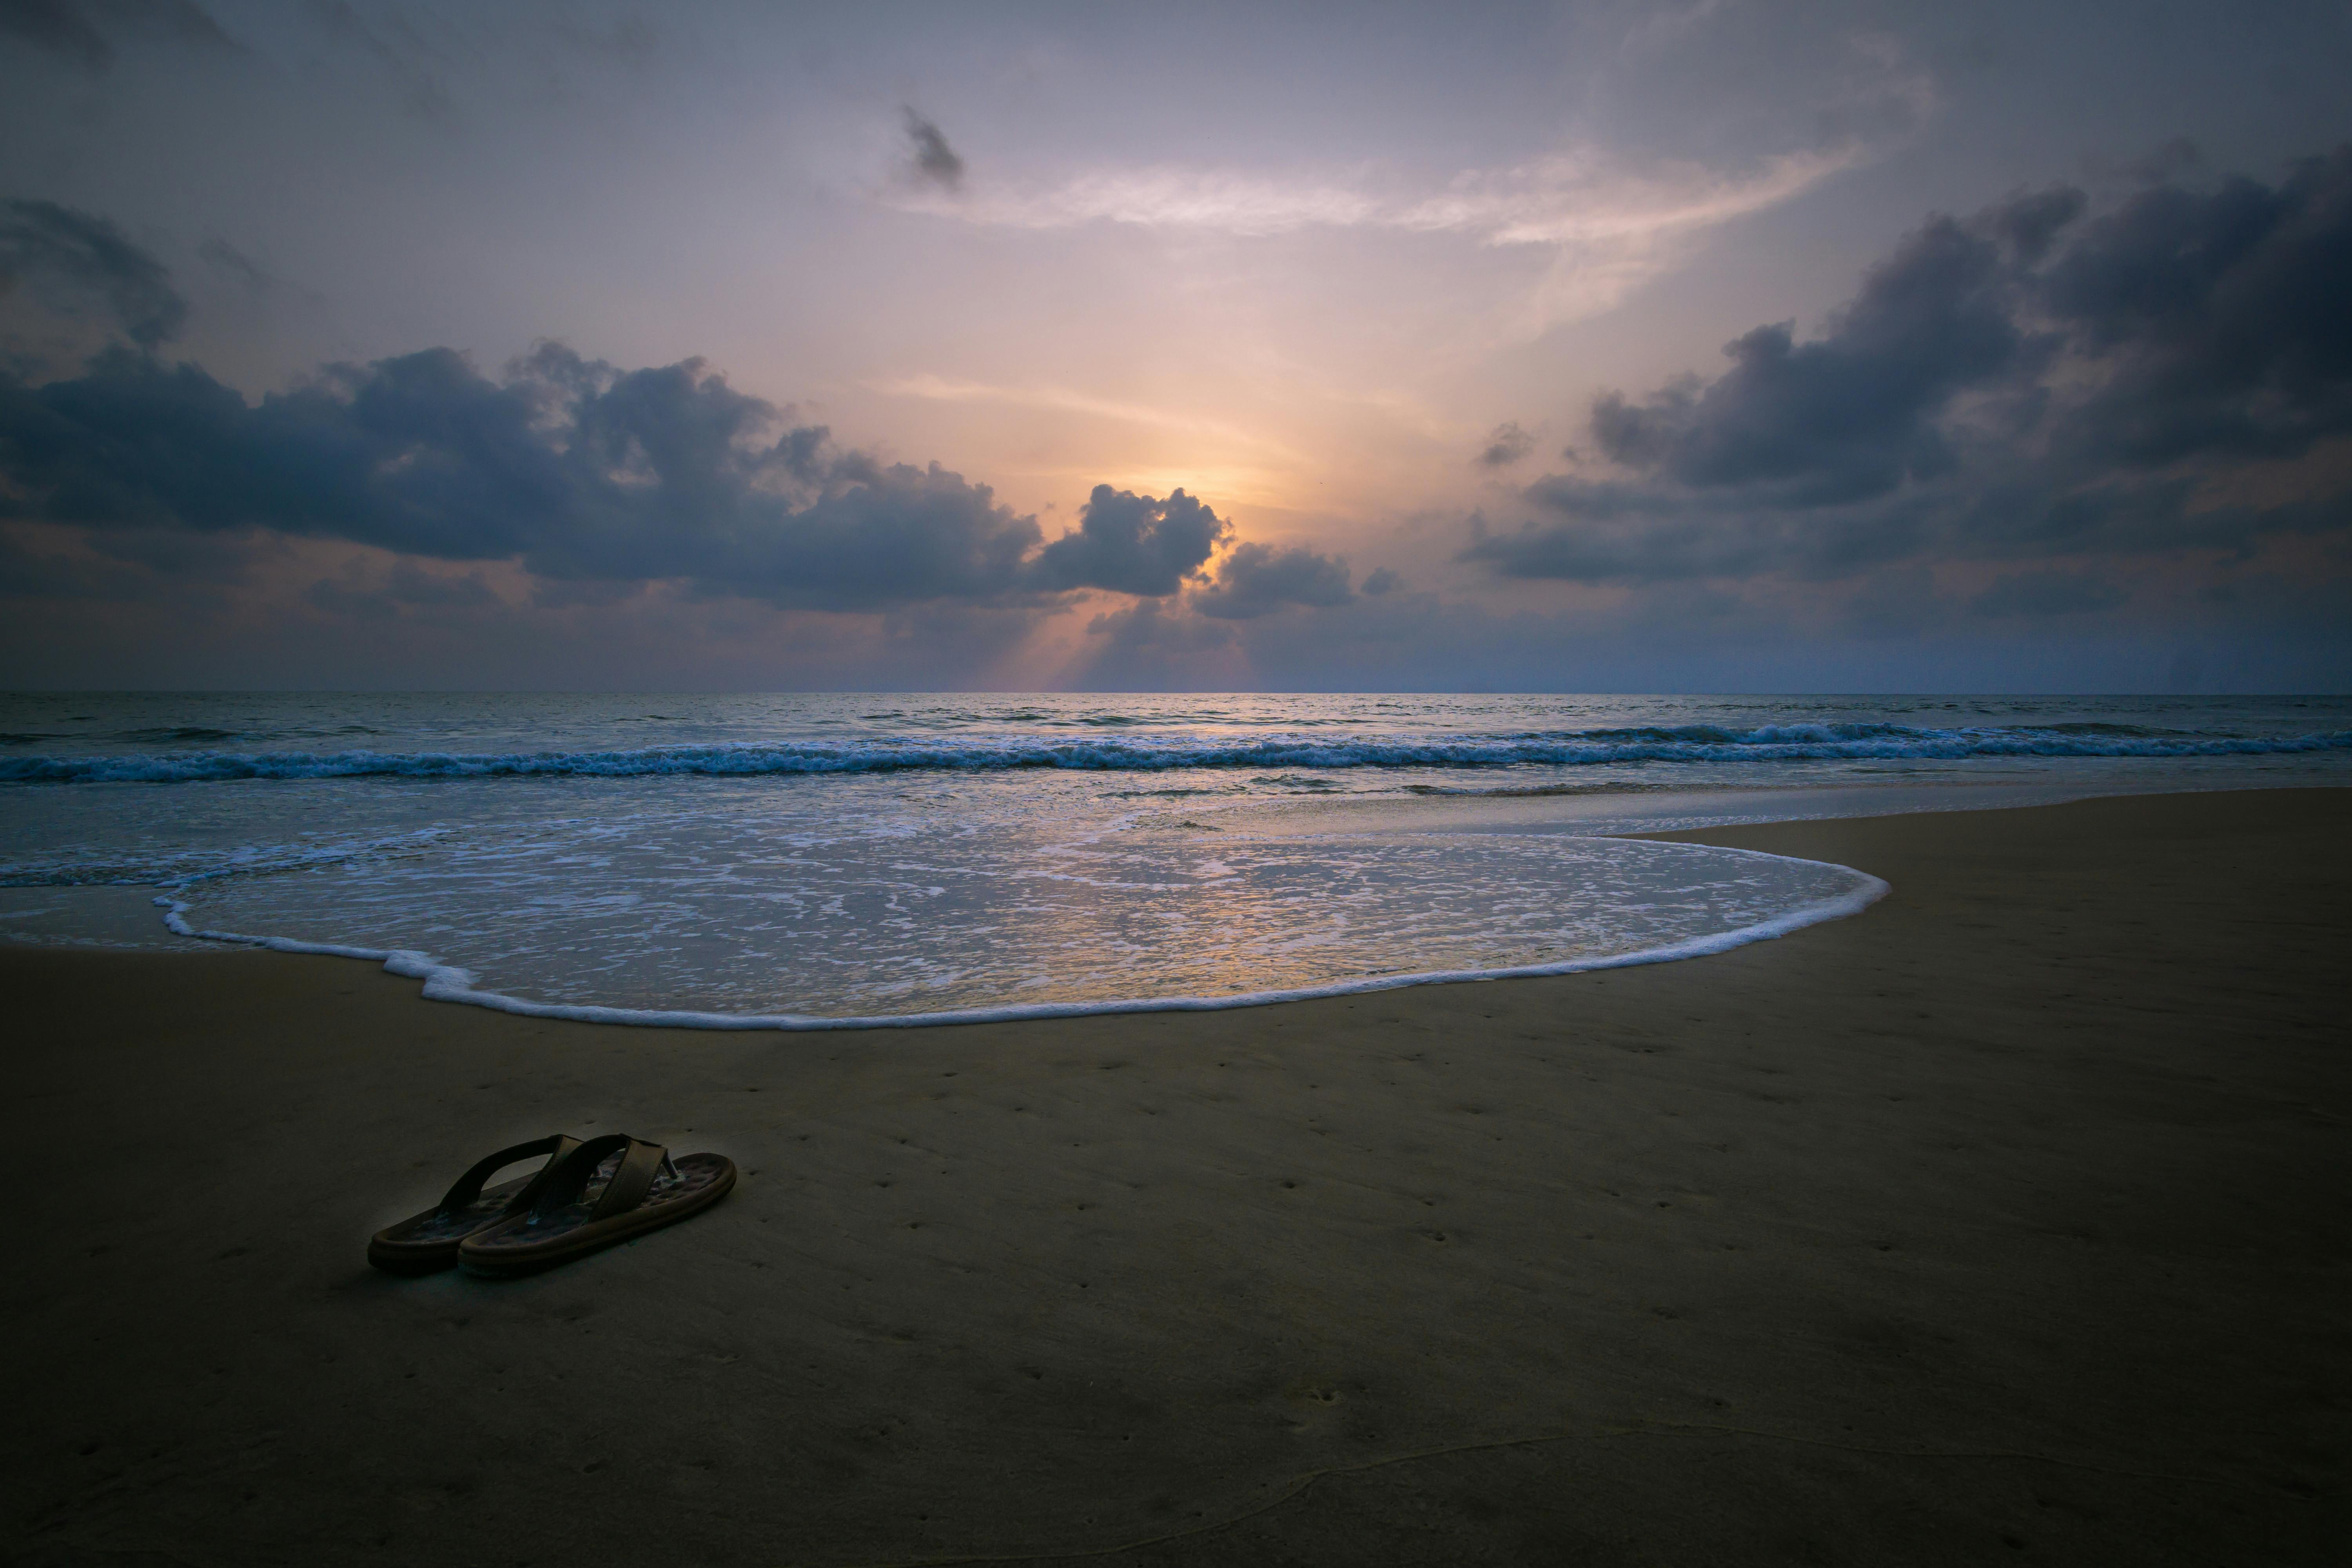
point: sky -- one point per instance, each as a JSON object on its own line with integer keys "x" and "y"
{"x": 1710, "y": 346}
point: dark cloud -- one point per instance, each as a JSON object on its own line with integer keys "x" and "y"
{"x": 74, "y": 261}
{"x": 2027, "y": 224}
{"x": 2222, "y": 320}
{"x": 1132, "y": 544}
{"x": 2024, "y": 383}
{"x": 574, "y": 469}
{"x": 1257, "y": 580}
{"x": 932, "y": 158}
{"x": 77, "y": 30}
{"x": 579, "y": 472}
{"x": 1621, "y": 533}
{"x": 1383, "y": 581}
{"x": 1506, "y": 445}
{"x": 58, "y": 26}
{"x": 1852, "y": 414}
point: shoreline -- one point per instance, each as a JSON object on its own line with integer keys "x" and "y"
{"x": 450, "y": 982}
{"x": 2005, "y": 1217}
{"x": 442, "y": 981}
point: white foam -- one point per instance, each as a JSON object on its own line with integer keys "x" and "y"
{"x": 448, "y": 983}
{"x": 1772, "y": 743}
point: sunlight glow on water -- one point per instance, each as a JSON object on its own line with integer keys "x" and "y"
{"x": 1200, "y": 850}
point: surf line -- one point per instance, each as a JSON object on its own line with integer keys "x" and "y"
{"x": 1784, "y": 743}
{"x": 448, "y": 983}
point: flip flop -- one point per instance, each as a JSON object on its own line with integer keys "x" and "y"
{"x": 424, "y": 1243}
{"x": 643, "y": 1190}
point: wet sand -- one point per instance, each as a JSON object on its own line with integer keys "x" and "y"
{"x": 2008, "y": 1221}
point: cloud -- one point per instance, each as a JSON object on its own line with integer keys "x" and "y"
{"x": 73, "y": 261}
{"x": 1611, "y": 226}
{"x": 1257, "y": 580}
{"x": 1179, "y": 198}
{"x": 1581, "y": 196}
{"x": 1132, "y": 544}
{"x": 1505, "y": 447}
{"x": 2221, "y": 320}
{"x": 1853, "y": 413}
{"x": 574, "y": 469}
{"x": 2027, "y": 381}
{"x": 1610, "y": 222}
{"x": 582, "y": 473}
{"x": 1588, "y": 532}
{"x": 58, "y": 26}
{"x": 74, "y": 31}
{"x": 931, "y": 159}
{"x": 1381, "y": 581}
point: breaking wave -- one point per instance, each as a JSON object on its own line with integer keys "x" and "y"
{"x": 1690, "y": 744}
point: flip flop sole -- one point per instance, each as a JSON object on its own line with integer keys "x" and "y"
{"x": 480, "y": 1255}
{"x": 402, "y": 1249}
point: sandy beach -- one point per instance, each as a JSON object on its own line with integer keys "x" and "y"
{"x": 2008, "y": 1221}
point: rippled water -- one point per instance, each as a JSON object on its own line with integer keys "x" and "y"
{"x": 860, "y": 856}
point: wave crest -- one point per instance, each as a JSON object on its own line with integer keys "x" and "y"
{"x": 1696, "y": 743}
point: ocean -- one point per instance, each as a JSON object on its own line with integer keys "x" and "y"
{"x": 865, "y": 859}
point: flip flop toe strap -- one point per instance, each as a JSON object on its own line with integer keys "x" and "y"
{"x": 641, "y": 1163}
{"x": 468, "y": 1190}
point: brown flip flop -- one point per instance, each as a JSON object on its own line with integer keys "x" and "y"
{"x": 572, "y": 1215}
{"x": 424, "y": 1243}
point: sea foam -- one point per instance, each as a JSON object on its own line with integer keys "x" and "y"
{"x": 448, "y": 983}
{"x": 1685, "y": 743}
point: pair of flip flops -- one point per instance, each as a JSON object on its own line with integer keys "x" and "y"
{"x": 585, "y": 1196}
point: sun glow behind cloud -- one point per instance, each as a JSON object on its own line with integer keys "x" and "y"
{"x": 1177, "y": 448}
{"x": 941, "y": 389}
{"x": 1356, "y": 292}
{"x": 1293, "y": 338}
